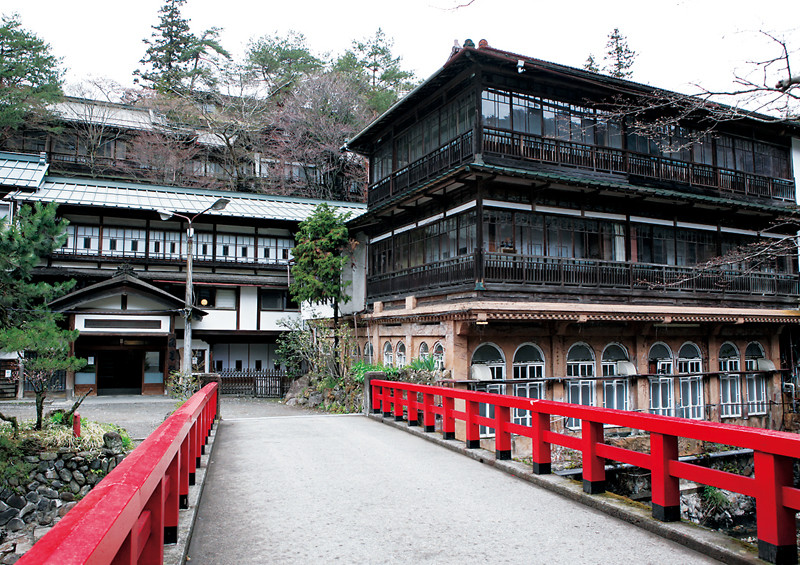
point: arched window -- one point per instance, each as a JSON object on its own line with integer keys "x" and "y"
{"x": 660, "y": 359}
{"x": 368, "y": 354}
{"x": 690, "y": 404}
{"x": 580, "y": 374}
{"x": 356, "y": 353}
{"x": 689, "y": 359}
{"x": 752, "y": 354}
{"x": 438, "y": 354}
{"x": 528, "y": 364}
{"x": 756, "y": 382}
{"x": 615, "y": 391}
{"x": 490, "y": 356}
{"x": 423, "y": 350}
{"x": 661, "y": 387}
{"x": 401, "y": 354}
{"x": 730, "y": 387}
{"x": 387, "y": 354}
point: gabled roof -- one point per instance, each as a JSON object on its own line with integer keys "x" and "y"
{"x": 122, "y": 282}
{"x": 132, "y": 196}
{"x": 464, "y": 57}
{"x": 22, "y": 171}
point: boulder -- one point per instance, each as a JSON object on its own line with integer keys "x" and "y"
{"x": 112, "y": 441}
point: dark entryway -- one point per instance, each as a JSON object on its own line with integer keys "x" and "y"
{"x": 120, "y": 372}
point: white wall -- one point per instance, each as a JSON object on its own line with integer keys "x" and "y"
{"x": 356, "y": 273}
{"x": 270, "y": 319}
{"x": 796, "y": 166}
{"x": 216, "y": 320}
{"x": 248, "y": 308}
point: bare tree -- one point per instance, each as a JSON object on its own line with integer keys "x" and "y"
{"x": 303, "y": 151}
{"x": 93, "y": 112}
{"x": 766, "y": 92}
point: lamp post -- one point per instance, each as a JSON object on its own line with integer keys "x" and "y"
{"x": 219, "y": 204}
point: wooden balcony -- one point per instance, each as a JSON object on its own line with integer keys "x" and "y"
{"x": 403, "y": 180}
{"x": 605, "y": 159}
{"x": 534, "y": 149}
{"x": 585, "y": 275}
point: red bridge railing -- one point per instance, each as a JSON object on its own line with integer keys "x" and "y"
{"x": 129, "y": 516}
{"x": 777, "y": 500}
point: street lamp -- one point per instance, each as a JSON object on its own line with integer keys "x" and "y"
{"x": 219, "y": 204}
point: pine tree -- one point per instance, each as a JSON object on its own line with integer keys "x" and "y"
{"x": 173, "y": 59}
{"x": 281, "y": 61}
{"x": 45, "y": 349}
{"x": 30, "y": 77}
{"x": 371, "y": 63}
{"x": 591, "y": 65}
{"x": 320, "y": 257}
{"x": 26, "y": 324}
{"x": 33, "y": 234}
{"x": 619, "y": 57}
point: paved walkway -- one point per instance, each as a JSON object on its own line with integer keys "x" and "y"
{"x": 297, "y": 488}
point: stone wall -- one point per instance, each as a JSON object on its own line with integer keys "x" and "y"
{"x": 58, "y": 479}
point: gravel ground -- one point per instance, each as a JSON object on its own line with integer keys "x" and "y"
{"x": 140, "y": 415}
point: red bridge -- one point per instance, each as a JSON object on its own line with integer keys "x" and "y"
{"x": 132, "y": 513}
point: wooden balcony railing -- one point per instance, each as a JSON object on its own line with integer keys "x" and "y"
{"x": 605, "y": 159}
{"x": 445, "y": 157}
{"x": 516, "y": 145}
{"x": 504, "y": 268}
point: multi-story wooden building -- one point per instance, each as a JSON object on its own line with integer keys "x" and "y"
{"x": 542, "y": 245}
{"x": 130, "y": 268}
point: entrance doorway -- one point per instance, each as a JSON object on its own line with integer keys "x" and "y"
{"x": 120, "y": 372}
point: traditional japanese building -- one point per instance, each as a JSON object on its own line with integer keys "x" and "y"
{"x": 533, "y": 239}
{"x": 130, "y": 268}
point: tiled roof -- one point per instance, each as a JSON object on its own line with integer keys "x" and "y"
{"x": 107, "y": 194}
{"x": 22, "y": 171}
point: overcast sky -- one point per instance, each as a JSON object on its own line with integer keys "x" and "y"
{"x": 679, "y": 42}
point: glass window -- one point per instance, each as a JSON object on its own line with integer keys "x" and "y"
{"x": 438, "y": 354}
{"x": 368, "y": 353}
{"x": 730, "y": 382}
{"x": 661, "y": 396}
{"x": 226, "y": 298}
{"x": 756, "y": 383}
{"x": 580, "y": 367}
{"x": 528, "y": 364}
{"x": 490, "y": 355}
{"x": 496, "y": 108}
{"x": 691, "y": 387}
{"x": 615, "y": 392}
{"x": 401, "y": 354}
{"x": 424, "y": 353}
{"x": 387, "y": 354}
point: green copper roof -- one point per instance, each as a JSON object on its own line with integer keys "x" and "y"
{"x": 22, "y": 171}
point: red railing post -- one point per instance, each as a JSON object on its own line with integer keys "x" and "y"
{"x": 502, "y": 438}
{"x": 397, "y": 397}
{"x": 411, "y": 408}
{"x": 184, "y": 473}
{"x": 473, "y": 430}
{"x": 666, "y": 491}
{"x": 539, "y": 447}
{"x": 151, "y": 543}
{"x": 171, "y": 500}
{"x": 428, "y": 416}
{"x": 377, "y": 395}
{"x": 202, "y": 420}
{"x": 777, "y": 534}
{"x": 448, "y": 421}
{"x": 386, "y": 399}
{"x": 193, "y": 454}
{"x": 594, "y": 469}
